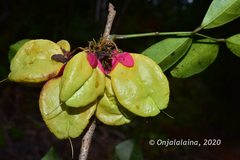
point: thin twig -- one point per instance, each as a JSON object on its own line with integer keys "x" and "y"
{"x": 111, "y": 16}
{"x": 86, "y": 141}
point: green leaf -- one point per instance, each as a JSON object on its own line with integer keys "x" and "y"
{"x": 51, "y": 154}
{"x": 115, "y": 156}
{"x": 129, "y": 150}
{"x": 15, "y": 47}
{"x": 233, "y": 43}
{"x": 201, "y": 54}
{"x": 221, "y": 12}
{"x": 167, "y": 52}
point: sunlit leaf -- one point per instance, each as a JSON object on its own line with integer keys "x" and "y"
{"x": 221, "y": 12}
{"x": 167, "y": 52}
{"x": 201, "y": 54}
{"x": 233, "y": 43}
{"x": 15, "y": 47}
{"x": 129, "y": 150}
{"x": 51, "y": 155}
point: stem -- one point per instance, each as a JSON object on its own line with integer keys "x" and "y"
{"x": 111, "y": 16}
{"x": 215, "y": 39}
{"x": 115, "y": 36}
{"x": 86, "y": 141}
{"x": 3, "y": 80}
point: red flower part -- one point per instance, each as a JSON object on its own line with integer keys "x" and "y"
{"x": 114, "y": 52}
{"x": 99, "y": 65}
{"x": 114, "y": 63}
{"x": 92, "y": 59}
{"x": 61, "y": 71}
{"x": 125, "y": 58}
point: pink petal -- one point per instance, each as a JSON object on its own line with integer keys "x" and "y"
{"x": 92, "y": 59}
{"x": 107, "y": 71}
{"x": 114, "y": 51}
{"x": 99, "y": 65}
{"x": 125, "y": 58}
{"x": 61, "y": 71}
{"x": 114, "y": 63}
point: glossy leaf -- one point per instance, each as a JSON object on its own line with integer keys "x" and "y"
{"x": 63, "y": 121}
{"x": 109, "y": 111}
{"x": 201, "y": 54}
{"x": 233, "y": 43}
{"x": 221, "y": 12}
{"x": 129, "y": 150}
{"x": 167, "y": 52}
{"x": 15, "y": 47}
{"x": 142, "y": 89}
{"x": 32, "y": 65}
{"x": 51, "y": 154}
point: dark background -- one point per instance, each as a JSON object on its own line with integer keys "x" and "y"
{"x": 205, "y": 106}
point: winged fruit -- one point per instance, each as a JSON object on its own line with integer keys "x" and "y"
{"x": 143, "y": 89}
{"x": 81, "y": 83}
{"x": 115, "y": 86}
{"x": 32, "y": 65}
{"x": 109, "y": 110}
{"x": 138, "y": 84}
{"x": 62, "y": 120}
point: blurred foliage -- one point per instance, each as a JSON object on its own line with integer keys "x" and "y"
{"x": 16, "y": 133}
{"x": 15, "y": 47}
{"x": 204, "y": 106}
{"x": 128, "y": 150}
{"x": 51, "y": 154}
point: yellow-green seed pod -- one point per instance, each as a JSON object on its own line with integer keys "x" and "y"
{"x": 109, "y": 111}
{"x": 142, "y": 89}
{"x": 76, "y": 73}
{"x": 32, "y": 65}
{"x": 89, "y": 91}
{"x": 81, "y": 84}
{"x": 63, "y": 121}
{"x": 64, "y": 44}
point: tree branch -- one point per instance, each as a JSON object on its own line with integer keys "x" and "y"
{"x": 86, "y": 141}
{"x": 111, "y": 16}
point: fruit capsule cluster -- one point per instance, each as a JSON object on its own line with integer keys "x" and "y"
{"x": 111, "y": 84}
